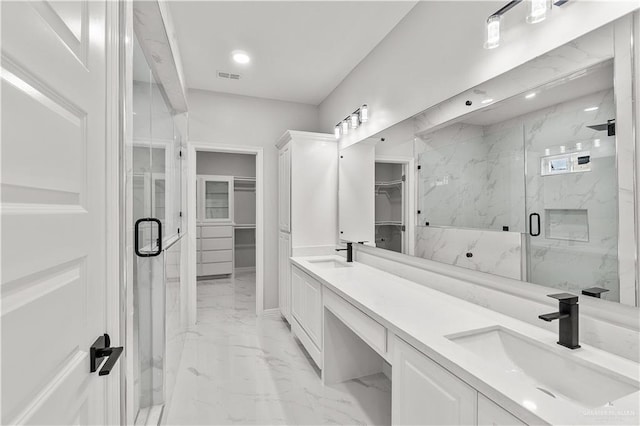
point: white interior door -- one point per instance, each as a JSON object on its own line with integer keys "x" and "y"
{"x": 53, "y": 211}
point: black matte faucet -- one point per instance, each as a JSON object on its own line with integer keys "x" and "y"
{"x": 568, "y": 316}
{"x": 349, "y": 251}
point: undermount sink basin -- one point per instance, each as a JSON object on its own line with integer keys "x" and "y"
{"x": 330, "y": 263}
{"x": 561, "y": 376}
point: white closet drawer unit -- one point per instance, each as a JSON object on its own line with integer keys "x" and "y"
{"x": 216, "y": 232}
{"x": 217, "y": 244}
{"x": 216, "y": 256}
{"x": 217, "y": 268}
{"x": 215, "y": 249}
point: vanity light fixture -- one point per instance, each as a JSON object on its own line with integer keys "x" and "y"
{"x": 345, "y": 127}
{"x": 579, "y": 146}
{"x": 590, "y": 109}
{"x": 596, "y": 143}
{"x": 364, "y": 113}
{"x": 492, "y": 39}
{"x": 352, "y": 121}
{"x": 538, "y": 11}
{"x": 563, "y": 149}
{"x": 530, "y": 95}
{"x": 547, "y": 151}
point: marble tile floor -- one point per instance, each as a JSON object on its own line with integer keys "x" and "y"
{"x": 238, "y": 368}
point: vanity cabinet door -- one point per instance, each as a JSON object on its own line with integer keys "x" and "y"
{"x": 284, "y": 275}
{"x": 306, "y": 305}
{"x": 297, "y": 302}
{"x": 284, "y": 188}
{"x": 491, "y": 414}
{"x": 313, "y": 310}
{"x": 424, "y": 393}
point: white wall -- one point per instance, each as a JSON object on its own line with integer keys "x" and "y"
{"x": 221, "y": 118}
{"x": 437, "y": 51}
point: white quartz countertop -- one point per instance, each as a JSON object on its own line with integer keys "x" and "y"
{"x": 424, "y": 317}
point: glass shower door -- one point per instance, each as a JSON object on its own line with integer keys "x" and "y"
{"x": 571, "y": 196}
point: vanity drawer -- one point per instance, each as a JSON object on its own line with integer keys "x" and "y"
{"x": 362, "y": 324}
{"x": 217, "y": 256}
{"x": 216, "y": 231}
{"x": 216, "y": 244}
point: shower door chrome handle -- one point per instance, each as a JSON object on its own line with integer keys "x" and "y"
{"x": 137, "y": 237}
{"x": 531, "y": 224}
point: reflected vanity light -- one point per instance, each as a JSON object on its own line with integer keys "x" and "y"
{"x": 336, "y": 131}
{"x": 538, "y": 11}
{"x": 578, "y": 146}
{"x": 590, "y": 109}
{"x": 530, "y": 95}
{"x": 547, "y": 151}
{"x": 596, "y": 143}
{"x": 529, "y": 405}
{"x": 563, "y": 149}
{"x": 486, "y": 101}
{"x": 493, "y": 32}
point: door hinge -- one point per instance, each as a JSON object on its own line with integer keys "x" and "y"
{"x": 404, "y": 178}
{"x": 419, "y": 167}
{"x": 180, "y": 153}
{"x": 180, "y": 213}
{"x": 404, "y": 228}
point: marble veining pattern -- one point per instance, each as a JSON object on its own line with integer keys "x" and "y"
{"x": 238, "y": 368}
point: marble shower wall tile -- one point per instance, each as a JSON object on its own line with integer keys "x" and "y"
{"x": 493, "y": 252}
{"x": 557, "y": 260}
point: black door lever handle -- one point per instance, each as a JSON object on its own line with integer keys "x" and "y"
{"x": 101, "y": 349}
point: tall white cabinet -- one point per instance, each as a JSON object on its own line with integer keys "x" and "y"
{"x": 307, "y": 202}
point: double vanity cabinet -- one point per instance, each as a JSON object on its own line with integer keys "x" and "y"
{"x": 451, "y": 362}
{"x": 423, "y": 391}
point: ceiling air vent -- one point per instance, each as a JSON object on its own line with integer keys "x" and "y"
{"x": 228, "y": 75}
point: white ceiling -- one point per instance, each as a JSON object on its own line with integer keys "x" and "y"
{"x": 591, "y": 80}
{"x": 300, "y": 51}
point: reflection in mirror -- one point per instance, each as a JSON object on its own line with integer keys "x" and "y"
{"x": 525, "y": 188}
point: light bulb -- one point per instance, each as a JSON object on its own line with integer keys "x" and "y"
{"x": 538, "y": 10}
{"x": 493, "y": 32}
{"x": 345, "y": 127}
{"x": 336, "y": 131}
{"x": 354, "y": 120}
{"x": 364, "y": 113}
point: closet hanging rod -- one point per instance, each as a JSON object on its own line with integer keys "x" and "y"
{"x": 245, "y": 178}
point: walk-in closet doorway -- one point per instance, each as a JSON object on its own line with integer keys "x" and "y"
{"x": 225, "y": 214}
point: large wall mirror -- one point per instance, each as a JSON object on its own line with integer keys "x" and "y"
{"x": 524, "y": 176}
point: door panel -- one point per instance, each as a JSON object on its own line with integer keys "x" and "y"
{"x": 53, "y": 210}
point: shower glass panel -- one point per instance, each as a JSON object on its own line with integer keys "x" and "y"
{"x": 572, "y": 195}
{"x": 155, "y": 184}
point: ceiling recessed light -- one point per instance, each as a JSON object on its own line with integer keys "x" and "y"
{"x": 531, "y": 95}
{"x": 486, "y": 101}
{"x": 590, "y": 109}
{"x": 240, "y": 57}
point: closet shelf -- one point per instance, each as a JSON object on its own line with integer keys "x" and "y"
{"x": 244, "y": 178}
{"x": 388, "y": 223}
{"x": 389, "y": 183}
{"x": 244, "y": 226}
